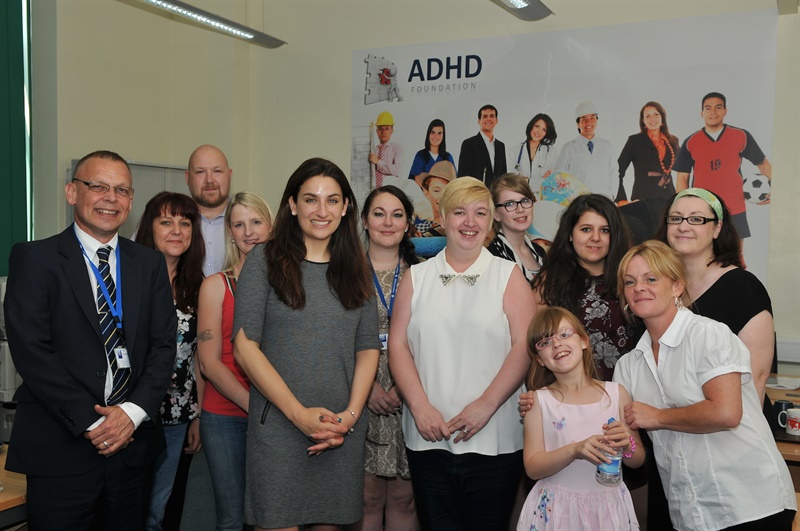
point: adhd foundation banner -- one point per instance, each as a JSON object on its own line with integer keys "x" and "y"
{"x": 415, "y": 105}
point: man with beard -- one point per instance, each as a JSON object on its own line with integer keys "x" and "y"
{"x": 209, "y": 179}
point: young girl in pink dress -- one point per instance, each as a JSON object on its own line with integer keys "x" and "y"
{"x": 566, "y": 432}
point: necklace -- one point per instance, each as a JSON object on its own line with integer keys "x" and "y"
{"x": 671, "y": 154}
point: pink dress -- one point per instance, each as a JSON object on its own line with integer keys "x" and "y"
{"x": 572, "y": 499}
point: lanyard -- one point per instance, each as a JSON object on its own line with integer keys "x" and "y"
{"x": 380, "y": 290}
{"x": 116, "y": 311}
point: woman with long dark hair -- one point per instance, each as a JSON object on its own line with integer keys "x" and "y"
{"x": 435, "y": 150}
{"x": 388, "y": 496}
{"x": 306, "y": 335}
{"x": 579, "y": 274}
{"x": 171, "y": 224}
{"x": 652, "y": 151}
{"x": 535, "y": 156}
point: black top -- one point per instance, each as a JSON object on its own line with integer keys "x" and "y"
{"x": 734, "y": 299}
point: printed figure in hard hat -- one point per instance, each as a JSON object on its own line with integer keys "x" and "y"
{"x": 483, "y": 156}
{"x": 589, "y": 158}
{"x": 387, "y": 158}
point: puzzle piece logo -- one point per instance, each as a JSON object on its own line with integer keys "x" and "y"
{"x": 381, "y": 80}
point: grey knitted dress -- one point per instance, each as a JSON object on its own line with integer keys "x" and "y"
{"x": 313, "y": 349}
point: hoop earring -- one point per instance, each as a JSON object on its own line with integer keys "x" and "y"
{"x": 627, "y": 311}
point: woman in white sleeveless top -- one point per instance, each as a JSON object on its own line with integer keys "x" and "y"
{"x": 457, "y": 352}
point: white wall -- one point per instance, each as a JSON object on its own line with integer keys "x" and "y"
{"x": 109, "y": 75}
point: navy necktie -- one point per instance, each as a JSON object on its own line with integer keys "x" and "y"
{"x": 591, "y": 146}
{"x": 112, "y": 336}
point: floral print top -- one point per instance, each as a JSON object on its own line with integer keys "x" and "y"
{"x": 610, "y": 334}
{"x": 180, "y": 405}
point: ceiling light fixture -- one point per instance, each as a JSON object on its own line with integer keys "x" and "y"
{"x": 529, "y": 10}
{"x": 223, "y": 25}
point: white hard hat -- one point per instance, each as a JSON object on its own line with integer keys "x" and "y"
{"x": 584, "y": 108}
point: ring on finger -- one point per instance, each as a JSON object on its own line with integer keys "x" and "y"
{"x": 105, "y": 444}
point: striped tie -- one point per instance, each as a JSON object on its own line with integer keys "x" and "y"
{"x": 112, "y": 336}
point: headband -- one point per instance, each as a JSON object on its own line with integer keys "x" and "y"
{"x": 706, "y": 196}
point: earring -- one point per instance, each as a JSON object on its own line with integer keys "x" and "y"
{"x": 627, "y": 311}
{"x": 294, "y": 212}
{"x": 406, "y": 230}
{"x": 233, "y": 241}
{"x": 678, "y": 303}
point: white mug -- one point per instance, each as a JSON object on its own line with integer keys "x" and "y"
{"x": 793, "y": 421}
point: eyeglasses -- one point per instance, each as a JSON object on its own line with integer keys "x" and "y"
{"x": 101, "y": 188}
{"x": 547, "y": 342}
{"x": 691, "y": 220}
{"x": 511, "y": 206}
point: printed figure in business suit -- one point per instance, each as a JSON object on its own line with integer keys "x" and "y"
{"x": 483, "y": 156}
{"x": 95, "y": 366}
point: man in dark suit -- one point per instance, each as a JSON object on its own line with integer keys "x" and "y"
{"x": 95, "y": 366}
{"x": 483, "y": 156}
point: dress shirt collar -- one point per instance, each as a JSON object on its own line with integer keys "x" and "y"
{"x": 91, "y": 245}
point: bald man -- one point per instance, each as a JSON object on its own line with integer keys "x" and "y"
{"x": 209, "y": 180}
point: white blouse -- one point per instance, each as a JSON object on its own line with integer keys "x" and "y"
{"x": 459, "y": 337}
{"x": 712, "y": 480}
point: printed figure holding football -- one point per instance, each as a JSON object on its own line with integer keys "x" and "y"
{"x": 715, "y": 155}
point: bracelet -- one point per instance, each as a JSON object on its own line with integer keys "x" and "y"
{"x": 353, "y": 427}
{"x": 628, "y": 455}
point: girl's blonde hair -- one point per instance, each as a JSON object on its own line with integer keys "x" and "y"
{"x": 545, "y": 324}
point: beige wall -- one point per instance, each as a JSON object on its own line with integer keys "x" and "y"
{"x": 107, "y": 74}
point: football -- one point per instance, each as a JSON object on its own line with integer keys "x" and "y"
{"x": 756, "y": 188}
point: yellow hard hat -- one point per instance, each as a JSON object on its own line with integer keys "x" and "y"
{"x": 385, "y": 118}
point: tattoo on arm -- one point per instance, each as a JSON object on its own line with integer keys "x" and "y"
{"x": 205, "y": 335}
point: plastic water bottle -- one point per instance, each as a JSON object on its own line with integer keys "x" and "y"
{"x": 610, "y": 474}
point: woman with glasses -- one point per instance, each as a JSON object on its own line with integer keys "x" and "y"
{"x": 513, "y": 216}
{"x": 696, "y": 225}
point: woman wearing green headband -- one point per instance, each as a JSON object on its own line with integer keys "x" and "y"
{"x": 696, "y": 225}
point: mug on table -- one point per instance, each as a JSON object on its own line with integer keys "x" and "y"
{"x": 792, "y": 422}
{"x": 780, "y": 407}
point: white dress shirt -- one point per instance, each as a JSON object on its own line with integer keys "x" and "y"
{"x": 712, "y": 480}
{"x": 90, "y": 245}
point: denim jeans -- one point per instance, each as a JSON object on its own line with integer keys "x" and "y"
{"x": 224, "y": 438}
{"x": 456, "y": 492}
{"x": 164, "y": 477}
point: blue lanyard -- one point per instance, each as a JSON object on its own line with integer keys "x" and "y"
{"x": 380, "y": 290}
{"x": 116, "y": 311}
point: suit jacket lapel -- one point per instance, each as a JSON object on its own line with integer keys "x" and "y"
{"x": 131, "y": 292}
{"x": 74, "y": 267}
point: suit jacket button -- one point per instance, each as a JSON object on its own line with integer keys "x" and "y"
{"x": 100, "y": 374}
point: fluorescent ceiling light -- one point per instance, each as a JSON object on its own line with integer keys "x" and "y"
{"x": 529, "y": 10}
{"x": 215, "y": 22}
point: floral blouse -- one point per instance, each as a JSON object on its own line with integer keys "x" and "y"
{"x": 610, "y": 334}
{"x": 180, "y": 405}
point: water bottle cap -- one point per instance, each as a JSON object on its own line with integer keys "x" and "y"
{"x": 612, "y": 419}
